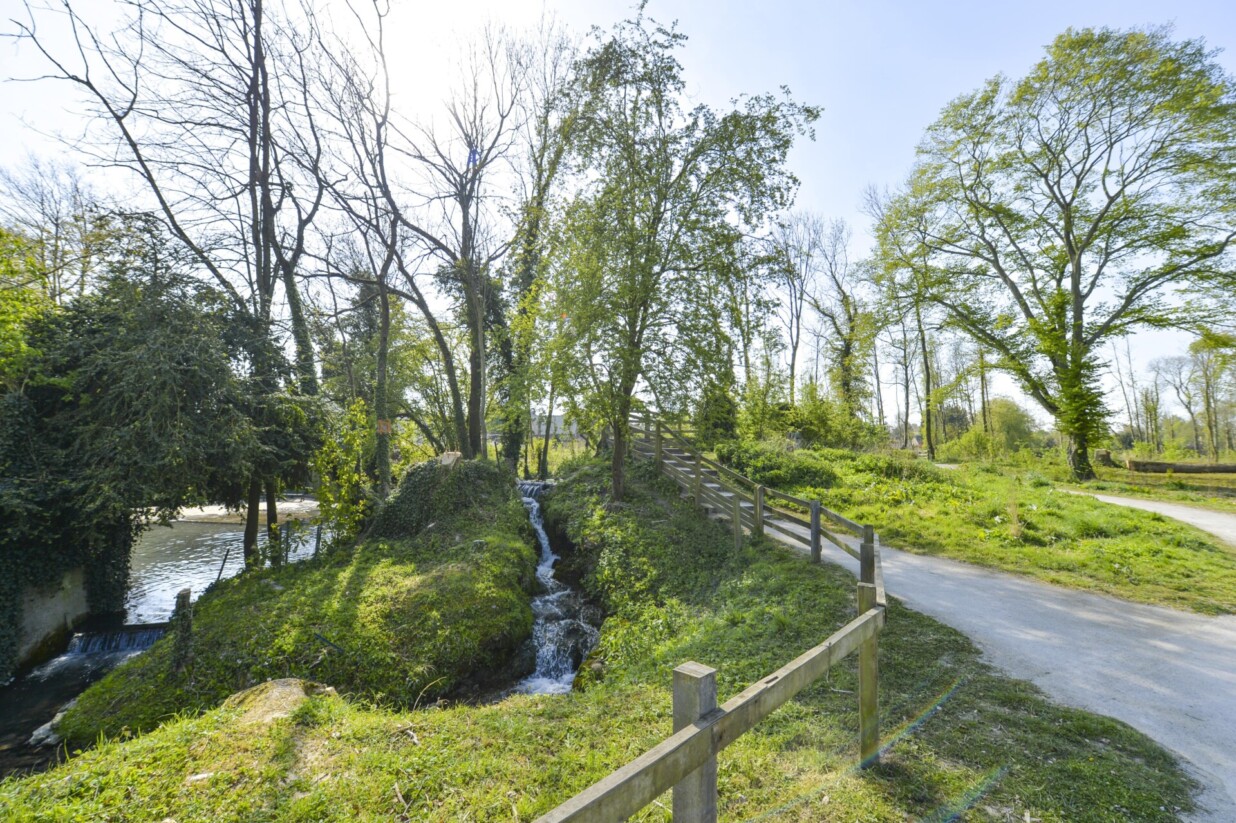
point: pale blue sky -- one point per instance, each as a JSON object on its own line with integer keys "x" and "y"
{"x": 881, "y": 70}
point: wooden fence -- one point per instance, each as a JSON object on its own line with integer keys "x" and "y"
{"x": 686, "y": 762}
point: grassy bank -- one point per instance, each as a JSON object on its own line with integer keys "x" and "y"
{"x": 1011, "y": 519}
{"x": 433, "y": 602}
{"x": 1208, "y": 491}
{"x": 964, "y": 743}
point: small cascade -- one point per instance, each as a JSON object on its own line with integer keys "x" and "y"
{"x": 560, "y": 634}
{"x": 133, "y": 638}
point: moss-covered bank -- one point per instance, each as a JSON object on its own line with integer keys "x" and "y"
{"x": 433, "y": 603}
{"x": 963, "y": 742}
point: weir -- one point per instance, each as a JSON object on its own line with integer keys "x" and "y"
{"x": 128, "y": 638}
{"x": 560, "y": 633}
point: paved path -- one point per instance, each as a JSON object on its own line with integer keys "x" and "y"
{"x": 1167, "y": 673}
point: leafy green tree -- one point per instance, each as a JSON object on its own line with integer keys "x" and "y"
{"x": 127, "y": 408}
{"x": 21, "y": 300}
{"x": 1048, "y": 214}
{"x": 717, "y": 417}
{"x": 666, "y": 192}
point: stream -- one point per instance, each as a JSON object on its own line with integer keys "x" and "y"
{"x": 193, "y": 554}
{"x": 562, "y": 630}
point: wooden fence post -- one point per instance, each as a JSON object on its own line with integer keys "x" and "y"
{"x": 695, "y": 695}
{"x": 182, "y": 626}
{"x": 815, "y": 531}
{"x": 658, "y": 449}
{"x": 868, "y": 681}
{"x": 699, "y": 480}
{"x": 866, "y": 556}
{"x": 736, "y": 521}
{"x": 759, "y": 511}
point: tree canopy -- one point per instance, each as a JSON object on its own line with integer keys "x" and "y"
{"x": 1048, "y": 214}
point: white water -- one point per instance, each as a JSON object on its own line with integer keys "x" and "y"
{"x": 561, "y": 636}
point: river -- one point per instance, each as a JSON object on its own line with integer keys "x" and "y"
{"x": 165, "y": 560}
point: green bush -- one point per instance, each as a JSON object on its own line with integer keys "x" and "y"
{"x": 775, "y": 467}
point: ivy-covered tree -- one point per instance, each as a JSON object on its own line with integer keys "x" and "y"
{"x": 127, "y": 408}
{"x": 1050, "y": 214}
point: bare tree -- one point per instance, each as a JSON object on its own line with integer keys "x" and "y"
{"x": 798, "y": 244}
{"x": 1178, "y": 372}
{"x": 206, "y": 103}
{"x": 49, "y": 204}
{"x": 837, "y": 302}
{"x": 431, "y": 181}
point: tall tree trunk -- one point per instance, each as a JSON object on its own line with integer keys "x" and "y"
{"x": 252, "y": 518}
{"x": 928, "y": 435}
{"x": 381, "y": 401}
{"x": 793, "y": 367}
{"x": 476, "y": 377}
{"x": 274, "y": 546}
{"x": 306, "y": 371}
{"x": 905, "y": 388}
{"x": 1079, "y": 458}
{"x": 983, "y": 391}
{"x": 542, "y": 465}
{"x": 879, "y": 387}
{"x": 618, "y": 466}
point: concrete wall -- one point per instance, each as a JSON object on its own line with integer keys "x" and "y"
{"x": 46, "y": 613}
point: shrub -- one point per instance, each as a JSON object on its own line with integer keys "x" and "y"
{"x": 774, "y": 466}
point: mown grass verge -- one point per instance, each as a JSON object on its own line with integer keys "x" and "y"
{"x": 435, "y": 601}
{"x": 1009, "y": 519}
{"x": 1208, "y": 491}
{"x": 963, "y": 742}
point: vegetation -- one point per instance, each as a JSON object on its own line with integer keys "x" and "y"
{"x": 962, "y": 740}
{"x": 435, "y": 603}
{"x": 677, "y": 188}
{"x": 326, "y": 287}
{"x": 1012, "y": 519}
{"x": 1104, "y": 170}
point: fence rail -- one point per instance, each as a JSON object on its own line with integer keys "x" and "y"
{"x": 687, "y": 761}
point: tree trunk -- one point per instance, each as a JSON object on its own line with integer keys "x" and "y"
{"x": 905, "y": 388}
{"x": 928, "y": 435}
{"x": 476, "y": 377}
{"x": 793, "y": 367}
{"x": 879, "y": 388}
{"x": 254, "y": 503}
{"x": 381, "y": 403}
{"x": 983, "y": 392}
{"x": 274, "y": 546}
{"x": 543, "y": 460}
{"x": 618, "y": 464}
{"x": 1079, "y": 458}
{"x": 306, "y": 372}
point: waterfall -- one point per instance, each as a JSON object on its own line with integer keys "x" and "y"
{"x": 124, "y": 639}
{"x": 561, "y": 636}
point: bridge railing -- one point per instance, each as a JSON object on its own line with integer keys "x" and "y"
{"x": 686, "y": 762}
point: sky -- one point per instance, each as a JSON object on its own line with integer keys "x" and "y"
{"x": 881, "y": 71}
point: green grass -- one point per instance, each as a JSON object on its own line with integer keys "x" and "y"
{"x": 1209, "y": 491}
{"x": 432, "y": 607}
{"x": 1015, "y": 520}
{"x": 963, "y": 742}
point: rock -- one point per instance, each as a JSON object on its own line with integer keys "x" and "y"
{"x": 46, "y": 735}
{"x": 450, "y": 459}
{"x": 274, "y": 699}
